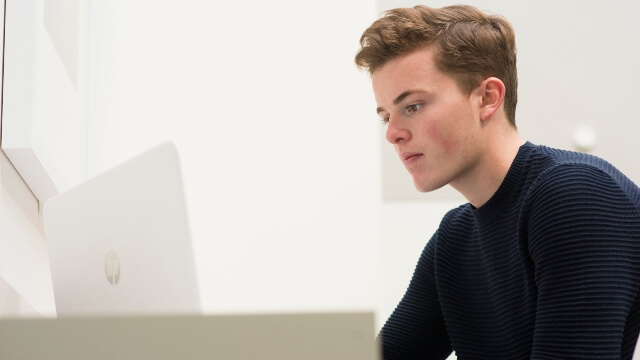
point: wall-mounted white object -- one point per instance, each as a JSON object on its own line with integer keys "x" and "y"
{"x": 585, "y": 138}
{"x": 43, "y": 121}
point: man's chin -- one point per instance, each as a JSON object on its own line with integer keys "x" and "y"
{"x": 425, "y": 188}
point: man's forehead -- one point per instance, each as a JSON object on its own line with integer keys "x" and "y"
{"x": 403, "y": 77}
{"x": 417, "y": 65}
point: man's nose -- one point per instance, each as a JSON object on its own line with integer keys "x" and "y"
{"x": 397, "y": 132}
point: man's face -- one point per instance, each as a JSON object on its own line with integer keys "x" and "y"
{"x": 433, "y": 126}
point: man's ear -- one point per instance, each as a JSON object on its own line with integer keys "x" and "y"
{"x": 492, "y": 91}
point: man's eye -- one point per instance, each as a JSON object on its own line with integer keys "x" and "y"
{"x": 385, "y": 120}
{"x": 413, "y": 108}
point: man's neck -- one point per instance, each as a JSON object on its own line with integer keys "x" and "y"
{"x": 479, "y": 185}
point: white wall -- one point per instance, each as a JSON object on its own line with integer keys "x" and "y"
{"x": 277, "y": 135}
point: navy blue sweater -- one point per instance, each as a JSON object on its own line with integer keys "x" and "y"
{"x": 548, "y": 268}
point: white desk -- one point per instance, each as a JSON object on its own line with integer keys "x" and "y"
{"x": 334, "y": 336}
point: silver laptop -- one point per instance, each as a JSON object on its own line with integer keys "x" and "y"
{"x": 119, "y": 243}
{"x": 328, "y": 336}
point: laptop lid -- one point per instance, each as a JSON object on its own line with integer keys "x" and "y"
{"x": 119, "y": 243}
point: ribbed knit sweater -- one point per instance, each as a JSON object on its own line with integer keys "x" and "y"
{"x": 548, "y": 268}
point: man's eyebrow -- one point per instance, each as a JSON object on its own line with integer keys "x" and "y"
{"x": 401, "y": 97}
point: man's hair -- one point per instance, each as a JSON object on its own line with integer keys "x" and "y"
{"x": 469, "y": 45}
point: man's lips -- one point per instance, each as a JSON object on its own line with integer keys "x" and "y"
{"x": 409, "y": 157}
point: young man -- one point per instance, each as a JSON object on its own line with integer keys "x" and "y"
{"x": 544, "y": 260}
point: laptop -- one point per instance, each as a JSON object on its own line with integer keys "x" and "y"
{"x": 119, "y": 243}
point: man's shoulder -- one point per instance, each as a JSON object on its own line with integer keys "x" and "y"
{"x": 553, "y": 168}
{"x": 560, "y": 176}
{"x": 547, "y": 157}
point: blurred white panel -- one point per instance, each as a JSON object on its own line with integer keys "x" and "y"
{"x": 24, "y": 262}
{"x": 43, "y": 127}
{"x": 62, "y": 22}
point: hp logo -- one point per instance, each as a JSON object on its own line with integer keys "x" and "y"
{"x": 112, "y": 267}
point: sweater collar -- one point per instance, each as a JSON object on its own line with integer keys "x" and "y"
{"x": 508, "y": 188}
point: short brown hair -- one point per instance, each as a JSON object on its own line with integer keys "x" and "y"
{"x": 470, "y": 45}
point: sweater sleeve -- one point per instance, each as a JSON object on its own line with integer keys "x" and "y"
{"x": 416, "y": 329}
{"x": 583, "y": 240}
